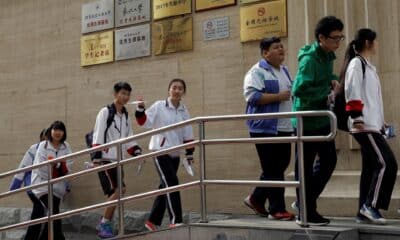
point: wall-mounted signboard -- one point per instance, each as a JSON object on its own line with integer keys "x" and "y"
{"x": 97, "y": 16}
{"x": 263, "y": 20}
{"x": 172, "y": 35}
{"x": 169, "y": 8}
{"x": 211, "y": 4}
{"x": 132, "y": 42}
{"x": 216, "y": 28}
{"x": 129, "y": 12}
{"x": 97, "y": 48}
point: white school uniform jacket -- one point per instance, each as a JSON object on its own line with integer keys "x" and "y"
{"x": 163, "y": 113}
{"x": 363, "y": 93}
{"x": 45, "y": 152}
{"x": 121, "y": 127}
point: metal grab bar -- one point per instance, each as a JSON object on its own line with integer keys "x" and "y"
{"x": 201, "y": 143}
{"x": 182, "y": 124}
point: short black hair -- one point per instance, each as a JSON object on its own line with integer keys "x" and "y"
{"x": 57, "y": 125}
{"x": 267, "y": 42}
{"x": 326, "y": 25}
{"x": 122, "y": 85}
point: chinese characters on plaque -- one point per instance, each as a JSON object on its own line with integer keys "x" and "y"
{"x": 262, "y": 20}
{"x": 172, "y": 35}
{"x": 257, "y": 21}
{"x": 210, "y": 4}
{"x": 217, "y": 28}
{"x": 97, "y": 16}
{"x": 169, "y": 8}
{"x": 97, "y": 48}
{"x": 132, "y": 42}
{"x": 129, "y": 12}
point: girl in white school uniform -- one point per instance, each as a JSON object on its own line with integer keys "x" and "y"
{"x": 160, "y": 114}
{"x": 366, "y": 123}
{"x": 55, "y": 146}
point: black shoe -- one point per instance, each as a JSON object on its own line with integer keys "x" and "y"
{"x": 318, "y": 220}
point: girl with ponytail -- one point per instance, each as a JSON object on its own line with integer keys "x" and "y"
{"x": 365, "y": 107}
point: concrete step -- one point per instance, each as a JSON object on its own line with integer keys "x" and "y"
{"x": 257, "y": 228}
{"x": 343, "y": 184}
{"x": 340, "y": 197}
{"x": 19, "y": 234}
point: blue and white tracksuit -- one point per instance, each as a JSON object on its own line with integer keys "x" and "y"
{"x": 25, "y": 177}
{"x": 261, "y": 79}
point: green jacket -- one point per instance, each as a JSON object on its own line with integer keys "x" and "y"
{"x": 313, "y": 84}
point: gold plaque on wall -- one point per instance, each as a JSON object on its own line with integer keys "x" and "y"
{"x": 97, "y": 48}
{"x": 249, "y": 1}
{"x": 263, "y": 20}
{"x": 210, "y": 4}
{"x": 173, "y": 35}
{"x": 168, "y": 8}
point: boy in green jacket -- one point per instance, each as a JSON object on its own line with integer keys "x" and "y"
{"x": 313, "y": 84}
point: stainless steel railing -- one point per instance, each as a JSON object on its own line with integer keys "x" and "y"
{"x": 202, "y": 182}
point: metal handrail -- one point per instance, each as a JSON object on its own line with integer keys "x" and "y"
{"x": 299, "y": 139}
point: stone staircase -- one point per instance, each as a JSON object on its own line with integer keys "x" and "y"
{"x": 257, "y": 228}
{"x": 82, "y": 226}
{"x": 340, "y": 197}
{"x": 220, "y": 227}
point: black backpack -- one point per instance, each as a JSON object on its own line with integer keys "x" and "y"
{"x": 340, "y": 103}
{"x": 110, "y": 119}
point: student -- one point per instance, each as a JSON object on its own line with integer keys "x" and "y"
{"x": 113, "y": 123}
{"x": 267, "y": 90}
{"x": 160, "y": 114}
{"x": 33, "y": 231}
{"x": 314, "y": 82}
{"x": 366, "y": 123}
{"x": 55, "y": 146}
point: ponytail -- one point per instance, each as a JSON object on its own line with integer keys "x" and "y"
{"x": 355, "y": 47}
{"x": 350, "y": 53}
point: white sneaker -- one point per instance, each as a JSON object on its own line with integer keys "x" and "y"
{"x": 294, "y": 206}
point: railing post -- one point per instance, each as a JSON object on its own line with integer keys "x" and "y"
{"x": 300, "y": 167}
{"x": 121, "y": 230}
{"x": 202, "y": 153}
{"x": 50, "y": 232}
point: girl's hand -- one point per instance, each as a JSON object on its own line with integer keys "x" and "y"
{"x": 141, "y": 102}
{"x": 358, "y": 125}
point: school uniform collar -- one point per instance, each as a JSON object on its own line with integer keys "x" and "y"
{"x": 124, "y": 111}
{"x": 50, "y": 146}
{"x": 265, "y": 64}
{"x": 169, "y": 104}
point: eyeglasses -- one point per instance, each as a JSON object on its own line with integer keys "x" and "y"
{"x": 337, "y": 38}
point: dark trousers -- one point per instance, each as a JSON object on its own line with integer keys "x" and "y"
{"x": 274, "y": 159}
{"x": 167, "y": 168}
{"x": 57, "y": 223}
{"x": 33, "y": 231}
{"x": 379, "y": 170}
{"x": 316, "y": 174}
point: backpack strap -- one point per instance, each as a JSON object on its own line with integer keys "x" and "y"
{"x": 363, "y": 64}
{"x": 110, "y": 119}
{"x": 111, "y": 113}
